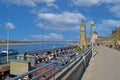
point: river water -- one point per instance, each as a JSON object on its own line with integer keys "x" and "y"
{"x": 22, "y": 48}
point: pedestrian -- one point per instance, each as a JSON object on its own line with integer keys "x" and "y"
{"x": 7, "y": 77}
{"x": 25, "y": 56}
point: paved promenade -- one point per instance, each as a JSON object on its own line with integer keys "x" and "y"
{"x": 104, "y": 66}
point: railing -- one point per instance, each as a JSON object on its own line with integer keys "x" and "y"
{"x": 71, "y": 70}
{"x": 30, "y": 72}
{"x": 76, "y": 69}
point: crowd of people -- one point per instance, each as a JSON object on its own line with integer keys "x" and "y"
{"x": 51, "y": 56}
{"x": 113, "y": 46}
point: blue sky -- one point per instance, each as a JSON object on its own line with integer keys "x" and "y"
{"x": 56, "y": 19}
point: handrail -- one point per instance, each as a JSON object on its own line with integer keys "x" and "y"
{"x": 80, "y": 57}
{"x": 60, "y": 68}
{"x": 85, "y": 54}
{"x": 87, "y": 51}
{"x": 41, "y": 75}
{"x": 63, "y": 74}
{"x": 30, "y": 72}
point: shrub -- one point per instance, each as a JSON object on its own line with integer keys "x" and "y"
{"x": 78, "y": 49}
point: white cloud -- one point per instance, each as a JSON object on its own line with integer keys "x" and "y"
{"x": 49, "y": 37}
{"x": 110, "y": 1}
{"x": 115, "y": 9}
{"x": 31, "y": 3}
{"x": 48, "y": 1}
{"x": 52, "y": 5}
{"x": 21, "y": 2}
{"x": 9, "y": 25}
{"x": 41, "y": 10}
{"x": 65, "y": 17}
{"x": 85, "y": 2}
{"x": 93, "y": 2}
{"x": 66, "y": 21}
{"x": 106, "y": 26}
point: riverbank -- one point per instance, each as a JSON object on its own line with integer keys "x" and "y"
{"x": 5, "y": 44}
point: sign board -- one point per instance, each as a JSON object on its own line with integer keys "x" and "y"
{"x": 19, "y": 67}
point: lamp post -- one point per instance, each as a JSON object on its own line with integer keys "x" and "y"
{"x": 7, "y": 43}
{"x": 0, "y": 48}
{"x": 42, "y": 40}
{"x": 0, "y": 31}
{"x": 8, "y": 26}
{"x": 92, "y": 24}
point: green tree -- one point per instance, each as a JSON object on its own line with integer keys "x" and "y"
{"x": 78, "y": 49}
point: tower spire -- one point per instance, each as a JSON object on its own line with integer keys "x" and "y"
{"x": 82, "y": 20}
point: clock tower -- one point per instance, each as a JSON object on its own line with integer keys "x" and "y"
{"x": 82, "y": 41}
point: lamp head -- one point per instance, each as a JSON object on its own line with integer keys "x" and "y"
{"x": 92, "y": 23}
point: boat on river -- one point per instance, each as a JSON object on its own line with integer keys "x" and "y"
{"x": 10, "y": 52}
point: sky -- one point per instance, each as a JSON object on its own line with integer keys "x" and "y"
{"x": 59, "y": 20}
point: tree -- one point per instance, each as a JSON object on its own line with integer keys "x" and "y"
{"x": 78, "y": 49}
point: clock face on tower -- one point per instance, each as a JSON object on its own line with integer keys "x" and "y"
{"x": 82, "y": 28}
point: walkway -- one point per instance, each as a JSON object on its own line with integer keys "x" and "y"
{"x": 104, "y": 66}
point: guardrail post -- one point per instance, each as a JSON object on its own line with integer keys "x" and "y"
{"x": 54, "y": 77}
{"x": 84, "y": 62}
{"x": 0, "y": 66}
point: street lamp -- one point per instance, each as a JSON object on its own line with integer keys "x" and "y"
{"x": 42, "y": 39}
{"x": 0, "y": 30}
{"x": 8, "y": 26}
{"x": 92, "y": 24}
{"x": 7, "y": 43}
